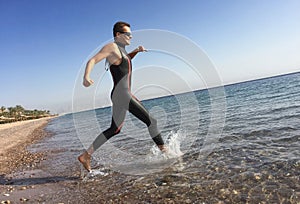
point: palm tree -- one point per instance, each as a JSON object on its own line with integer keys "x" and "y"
{"x": 2, "y": 109}
{"x": 12, "y": 111}
{"x": 19, "y": 113}
{"x": 19, "y": 109}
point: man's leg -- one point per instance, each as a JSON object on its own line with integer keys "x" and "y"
{"x": 116, "y": 124}
{"x": 139, "y": 111}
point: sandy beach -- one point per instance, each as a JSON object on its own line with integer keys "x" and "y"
{"x": 16, "y": 161}
{"x": 14, "y": 139}
{"x": 40, "y": 177}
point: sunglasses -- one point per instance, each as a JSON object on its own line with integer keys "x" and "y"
{"x": 129, "y": 34}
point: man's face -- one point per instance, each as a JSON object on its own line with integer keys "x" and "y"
{"x": 125, "y": 36}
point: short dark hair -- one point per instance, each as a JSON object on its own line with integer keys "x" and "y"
{"x": 118, "y": 27}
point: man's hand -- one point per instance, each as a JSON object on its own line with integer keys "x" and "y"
{"x": 137, "y": 50}
{"x": 87, "y": 82}
{"x": 141, "y": 49}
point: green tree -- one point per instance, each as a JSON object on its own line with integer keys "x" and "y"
{"x": 19, "y": 113}
{"x": 12, "y": 111}
{"x": 19, "y": 109}
{"x": 2, "y": 109}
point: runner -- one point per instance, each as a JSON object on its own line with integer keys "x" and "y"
{"x": 122, "y": 98}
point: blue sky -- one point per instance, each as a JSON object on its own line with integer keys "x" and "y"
{"x": 44, "y": 43}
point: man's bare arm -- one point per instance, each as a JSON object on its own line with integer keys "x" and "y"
{"x": 137, "y": 50}
{"x": 103, "y": 53}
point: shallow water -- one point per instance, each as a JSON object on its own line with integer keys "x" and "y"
{"x": 255, "y": 157}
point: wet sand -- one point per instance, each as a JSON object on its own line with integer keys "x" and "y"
{"x": 19, "y": 164}
{"x": 28, "y": 178}
{"x": 15, "y": 137}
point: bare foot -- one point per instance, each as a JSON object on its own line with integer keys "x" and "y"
{"x": 163, "y": 148}
{"x": 85, "y": 160}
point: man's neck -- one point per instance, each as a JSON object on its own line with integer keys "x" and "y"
{"x": 120, "y": 44}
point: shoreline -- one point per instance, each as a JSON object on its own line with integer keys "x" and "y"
{"x": 15, "y": 138}
{"x": 47, "y": 181}
{"x": 22, "y": 178}
{"x": 23, "y": 122}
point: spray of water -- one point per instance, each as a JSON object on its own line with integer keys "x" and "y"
{"x": 155, "y": 161}
{"x": 173, "y": 148}
{"x": 92, "y": 174}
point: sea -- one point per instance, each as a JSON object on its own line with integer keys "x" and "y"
{"x": 235, "y": 144}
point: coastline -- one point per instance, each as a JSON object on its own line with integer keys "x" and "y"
{"x": 17, "y": 163}
{"x": 38, "y": 182}
{"x": 15, "y": 137}
{"x": 24, "y": 178}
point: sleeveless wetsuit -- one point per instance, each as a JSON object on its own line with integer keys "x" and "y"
{"x": 123, "y": 100}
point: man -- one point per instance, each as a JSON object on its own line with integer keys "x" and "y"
{"x": 121, "y": 96}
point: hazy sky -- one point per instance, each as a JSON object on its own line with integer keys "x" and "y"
{"x": 45, "y": 43}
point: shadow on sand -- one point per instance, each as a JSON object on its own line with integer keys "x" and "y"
{"x": 35, "y": 181}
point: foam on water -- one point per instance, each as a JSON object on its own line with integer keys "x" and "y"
{"x": 154, "y": 161}
{"x": 92, "y": 174}
{"x": 173, "y": 148}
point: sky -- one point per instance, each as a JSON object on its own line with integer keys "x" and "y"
{"x": 44, "y": 44}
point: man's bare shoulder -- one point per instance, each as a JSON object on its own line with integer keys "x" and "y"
{"x": 110, "y": 47}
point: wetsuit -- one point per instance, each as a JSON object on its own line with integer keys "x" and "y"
{"x": 123, "y": 100}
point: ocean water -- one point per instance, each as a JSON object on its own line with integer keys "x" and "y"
{"x": 250, "y": 132}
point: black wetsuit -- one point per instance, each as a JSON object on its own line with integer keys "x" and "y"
{"x": 123, "y": 100}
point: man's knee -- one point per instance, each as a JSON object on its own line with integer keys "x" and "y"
{"x": 112, "y": 131}
{"x": 117, "y": 131}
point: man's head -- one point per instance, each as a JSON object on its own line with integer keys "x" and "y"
{"x": 122, "y": 32}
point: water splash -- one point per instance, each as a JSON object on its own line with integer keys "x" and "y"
{"x": 92, "y": 174}
{"x": 154, "y": 161}
{"x": 173, "y": 147}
